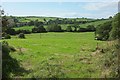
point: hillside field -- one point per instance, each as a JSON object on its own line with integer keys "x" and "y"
{"x": 57, "y": 54}
{"x": 63, "y": 26}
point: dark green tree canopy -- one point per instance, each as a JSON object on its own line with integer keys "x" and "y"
{"x": 69, "y": 29}
{"x": 103, "y": 30}
{"x": 115, "y": 32}
{"x": 54, "y": 28}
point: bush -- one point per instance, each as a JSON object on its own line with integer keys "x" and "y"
{"x": 82, "y": 30}
{"x": 7, "y": 36}
{"x": 90, "y": 28}
{"x": 54, "y": 28}
{"x": 39, "y": 29}
{"x": 69, "y": 29}
{"x": 10, "y": 31}
{"x": 23, "y": 31}
{"x": 103, "y": 30}
{"x": 115, "y": 32}
{"x": 9, "y": 64}
{"x": 3, "y": 34}
{"x": 5, "y": 49}
{"x": 21, "y": 35}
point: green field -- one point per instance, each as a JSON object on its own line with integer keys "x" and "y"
{"x": 27, "y": 19}
{"x": 24, "y": 28}
{"x": 64, "y": 26}
{"x": 57, "y": 55}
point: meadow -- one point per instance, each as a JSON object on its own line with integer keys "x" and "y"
{"x": 58, "y": 55}
{"x": 63, "y": 26}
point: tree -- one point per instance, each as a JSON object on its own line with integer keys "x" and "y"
{"x": 4, "y": 23}
{"x": 31, "y": 23}
{"x": 103, "y": 30}
{"x": 54, "y": 28}
{"x": 9, "y": 64}
{"x": 110, "y": 17}
{"x": 115, "y": 32}
{"x": 10, "y": 31}
{"x": 44, "y": 20}
{"x": 21, "y": 35}
{"x": 82, "y": 30}
{"x": 7, "y": 36}
{"x": 90, "y": 28}
{"x": 38, "y": 23}
{"x": 39, "y": 29}
{"x": 75, "y": 26}
{"x": 11, "y": 22}
{"x": 69, "y": 29}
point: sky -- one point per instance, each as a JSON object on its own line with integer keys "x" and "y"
{"x": 71, "y": 9}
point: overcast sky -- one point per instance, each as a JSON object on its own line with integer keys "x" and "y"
{"x": 60, "y": 8}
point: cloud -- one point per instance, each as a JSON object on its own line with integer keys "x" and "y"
{"x": 100, "y": 6}
{"x": 87, "y": 15}
{"x": 60, "y": 0}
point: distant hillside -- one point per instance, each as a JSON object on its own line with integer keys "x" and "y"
{"x": 29, "y": 18}
{"x": 94, "y": 22}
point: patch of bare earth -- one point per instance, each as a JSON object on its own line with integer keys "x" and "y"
{"x": 21, "y": 50}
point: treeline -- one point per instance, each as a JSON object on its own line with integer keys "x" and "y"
{"x": 39, "y": 27}
{"x": 109, "y": 30}
{"x": 25, "y": 21}
{"x": 51, "y": 28}
{"x": 30, "y": 22}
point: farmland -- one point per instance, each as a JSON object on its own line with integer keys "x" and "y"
{"x": 70, "y": 51}
{"x": 59, "y": 40}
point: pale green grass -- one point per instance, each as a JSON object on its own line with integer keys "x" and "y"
{"x": 64, "y": 26}
{"x": 54, "y": 48}
{"x": 24, "y": 28}
{"x": 96, "y": 23}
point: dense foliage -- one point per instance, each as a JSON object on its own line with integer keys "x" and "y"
{"x": 54, "y": 28}
{"x": 38, "y": 29}
{"x": 115, "y": 32}
{"x": 9, "y": 64}
{"x": 110, "y": 60}
{"x": 109, "y": 30}
{"x": 7, "y": 36}
{"x": 69, "y": 29}
{"x": 21, "y": 35}
{"x": 103, "y": 31}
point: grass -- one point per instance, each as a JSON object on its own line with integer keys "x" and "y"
{"x": 57, "y": 54}
{"x": 52, "y": 18}
{"x": 24, "y": 28}
{"x": 64, "y": 26}
{"x": 96, "y": 23}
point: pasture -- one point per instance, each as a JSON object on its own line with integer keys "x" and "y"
{"x": 57, "y": 55}
{"x": 64, "y": 26}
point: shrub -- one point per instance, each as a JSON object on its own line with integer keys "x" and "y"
{"x": 21, "y": 35}
{"x": 5, "y": 49}
{"x": 39, "y": 29}
{"x": 82, "y": 30}
{"x": 54, "y": 28}
{"x": 115, "y": 32}
{"x": 3, "y": 34}
{"x": 9, "y": 64}
{"x": 10, "y": 31}
{"x": 90, "y": 28}
{"x": 7, "y": 36}
{"x": 103, "y": 30}
{"x": 23, "y": 31}
{"x": 69, "y": 29}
